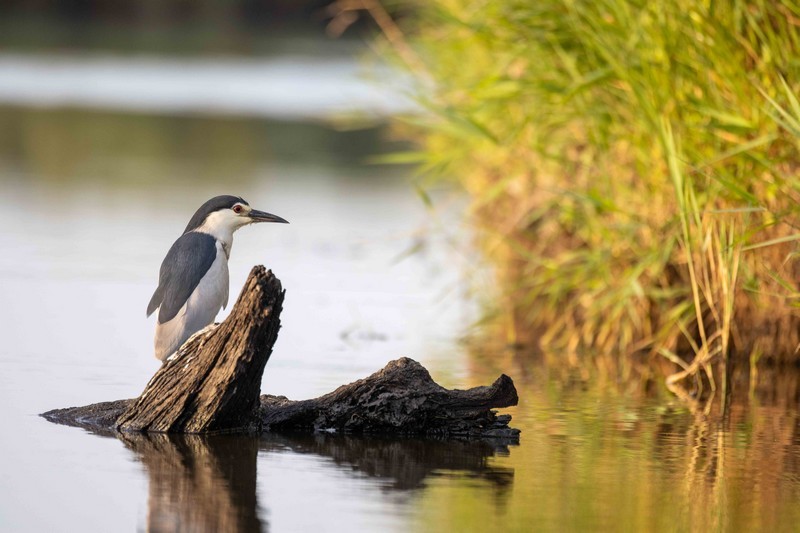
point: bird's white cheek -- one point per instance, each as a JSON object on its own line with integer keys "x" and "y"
{"x": 222, "y": 224}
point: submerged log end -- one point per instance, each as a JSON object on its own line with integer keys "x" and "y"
{"x": 402, "y": 398}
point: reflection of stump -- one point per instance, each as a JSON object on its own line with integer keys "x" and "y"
{"x": 212, "y": 384}
{"x": 202, "y": 483}
{"x": 199, "y": 483}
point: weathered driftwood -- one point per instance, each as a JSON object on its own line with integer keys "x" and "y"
{"x": 212, "y": 385}
{"x": 213, "y": 382}
{"x": 400, "y": 399}
{"x": 403, "y": 399}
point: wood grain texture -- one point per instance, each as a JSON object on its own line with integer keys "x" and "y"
{"x": 402, "y": 398}
{"x": 213, "y": 382}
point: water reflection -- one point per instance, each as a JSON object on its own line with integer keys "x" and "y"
{"x": 199, "y": 483}
{"x": 599, "y": 454}
{"x": 405, "y": 464}
{"x": 593, "y": 457}
{"x": 745, "y": 468}
{"x": 208, "y": 483}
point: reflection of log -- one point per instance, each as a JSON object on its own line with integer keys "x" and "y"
{"x": 209, "y": 482}
{"x": 406, "y": 463}
{"x": 213, "y": 382}
{"x": 198, "y": 483}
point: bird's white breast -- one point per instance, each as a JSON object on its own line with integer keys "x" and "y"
{"x": 211, "y": 293}
{"x": 200, "y": 309}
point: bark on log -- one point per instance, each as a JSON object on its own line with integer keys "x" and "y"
{"x": 214, "y": 381}
{"x": 212, "y": 385}
{"x": 401, "y": 399}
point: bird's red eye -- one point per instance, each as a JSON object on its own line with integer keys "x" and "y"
{"x": 237, "y": 209}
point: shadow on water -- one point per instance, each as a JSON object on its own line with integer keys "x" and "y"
{"x": 208, "y": 483}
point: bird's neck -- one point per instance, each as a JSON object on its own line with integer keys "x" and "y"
{"x": 221, "y": 232}
{"x": 222, "y": 237}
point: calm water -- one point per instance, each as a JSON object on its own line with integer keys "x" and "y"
{"x": 89, "y": 203}
{"x": 274, "y": 87}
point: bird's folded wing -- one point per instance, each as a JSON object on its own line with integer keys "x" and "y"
{"x": 184, "y": 266}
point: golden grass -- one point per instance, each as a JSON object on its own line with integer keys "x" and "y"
{"x": 632, "y": 166}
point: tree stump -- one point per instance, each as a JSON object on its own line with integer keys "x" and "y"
{"x": 212, "y": 384}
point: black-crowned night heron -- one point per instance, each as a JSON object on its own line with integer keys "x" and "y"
{"x": 193, "y": 281}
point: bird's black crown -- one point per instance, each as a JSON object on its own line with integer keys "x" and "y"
{"x": 217, "y": 203}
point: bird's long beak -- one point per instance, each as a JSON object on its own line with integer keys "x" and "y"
{"x": 261, "y": 216}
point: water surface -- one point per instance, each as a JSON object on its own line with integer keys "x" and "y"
{"x": 267, "y": 87}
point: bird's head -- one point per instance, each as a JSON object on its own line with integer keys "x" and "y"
{"x": 222, "y": 215}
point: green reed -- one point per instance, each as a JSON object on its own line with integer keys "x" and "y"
{"x": 632, "y": 167}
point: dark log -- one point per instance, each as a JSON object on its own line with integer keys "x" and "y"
{"x": 212, "y": 385}
{"x": 214, "y": 381}
{"x": 400, "y": 399}
{"x": 100, "y": 417}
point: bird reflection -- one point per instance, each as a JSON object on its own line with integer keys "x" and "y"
{"x": 208, "y": 483}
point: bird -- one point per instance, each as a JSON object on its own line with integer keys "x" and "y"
{"x": 193, "y": 280}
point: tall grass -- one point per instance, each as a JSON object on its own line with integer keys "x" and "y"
{"x": 632, "y": 165}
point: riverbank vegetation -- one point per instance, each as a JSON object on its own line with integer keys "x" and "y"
{"x": 632, "y": 168}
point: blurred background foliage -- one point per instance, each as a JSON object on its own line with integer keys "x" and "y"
{"x": 242, "y": 27}
{"x": 632, "y": 168}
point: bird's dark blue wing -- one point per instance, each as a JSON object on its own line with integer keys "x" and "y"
{"x": 155, "y": 300}
{"x": 185, "y": 265}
